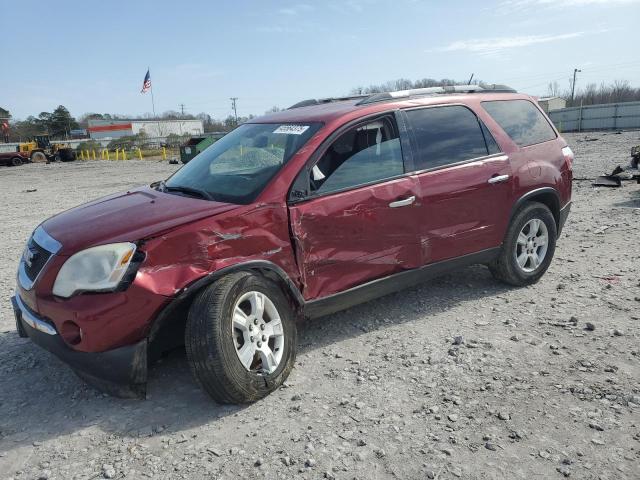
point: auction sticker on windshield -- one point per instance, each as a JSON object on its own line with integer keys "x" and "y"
{"x": 291, "y": 129}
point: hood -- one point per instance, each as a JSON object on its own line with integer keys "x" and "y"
{"x": 127, "y": 217}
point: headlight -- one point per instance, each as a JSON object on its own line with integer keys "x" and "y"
{"x": 98, "y": 269}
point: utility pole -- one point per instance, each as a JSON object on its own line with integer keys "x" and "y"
{"x": 182, "y": 109}
{"x": 233, "y": 105}
{"x": 573, "y": 84}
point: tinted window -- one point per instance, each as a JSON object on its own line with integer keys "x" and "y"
{"x": 492, "y": 146}
{"x": 238, "y": 166}
{"x": 521, "y": 120}
{"x": 446, "y": 135}
{"x": 363, "y": 155}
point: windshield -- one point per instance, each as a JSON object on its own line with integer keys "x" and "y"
{"x": 237, "y": 167}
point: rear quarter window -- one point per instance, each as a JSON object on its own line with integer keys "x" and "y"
{"x": 521, "y": 120}
{"x": 446, "y": 135}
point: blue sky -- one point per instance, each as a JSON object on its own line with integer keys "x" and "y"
{"x": 92, "y": 56}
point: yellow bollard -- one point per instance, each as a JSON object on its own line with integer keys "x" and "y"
{"x": 117, "y": 153}
{"x": 81, "y": 154}
{"x": 124, "y": 154}
{"x": 164, "y": 153}
{"x": 94, "y": 154}
{"x": 107, "y": 150}
{"x": 139, "y": 153}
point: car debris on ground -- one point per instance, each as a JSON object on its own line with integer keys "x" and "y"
{"x": 620, "y": 174}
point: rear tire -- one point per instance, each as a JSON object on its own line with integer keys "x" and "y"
{"x": 38, "y": 157}
{"x": 215, "y": 345}
{"x": 16, "y": 161}
{"x": 528, "y": 246}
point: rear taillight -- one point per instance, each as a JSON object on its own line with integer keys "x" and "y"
{"x": 567, "y": 153}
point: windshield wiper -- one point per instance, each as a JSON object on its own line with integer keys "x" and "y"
{"x": 194, "y": 192}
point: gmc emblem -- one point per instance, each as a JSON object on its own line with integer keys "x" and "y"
{"x": 28, "y": 255}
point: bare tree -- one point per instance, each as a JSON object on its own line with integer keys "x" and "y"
{"x": 553, "y": 89}
{"x": 405, "y": 84}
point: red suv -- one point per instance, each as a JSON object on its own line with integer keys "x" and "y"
{"x": 297, "y": 214}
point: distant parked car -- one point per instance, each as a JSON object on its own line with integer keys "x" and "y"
{"x": 14, "y": 159}
{"x": 297, "y": 214}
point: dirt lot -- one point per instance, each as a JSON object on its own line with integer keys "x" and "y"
{"x": 379, "y": 391}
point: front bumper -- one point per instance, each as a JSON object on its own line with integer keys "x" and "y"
{"x": 121, "y": 372}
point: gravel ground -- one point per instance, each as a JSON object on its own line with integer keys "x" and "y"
{"x": 461, "y": 377}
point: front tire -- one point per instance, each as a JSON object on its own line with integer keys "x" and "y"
{"x": 241, "y": 338}
{"x": 528, "y": 246}
{"x": 16, "y": 161}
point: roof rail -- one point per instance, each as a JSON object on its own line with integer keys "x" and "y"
{"x": 320, "y": 101}
{"x": 417, "y": 92}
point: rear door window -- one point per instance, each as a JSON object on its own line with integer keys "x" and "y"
{"x": 521, "y": 120}
{"x": 447, "y": 135}
{"x": 362, "y": 155}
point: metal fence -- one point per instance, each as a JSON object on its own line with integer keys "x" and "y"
{"x": 608, "y": 116}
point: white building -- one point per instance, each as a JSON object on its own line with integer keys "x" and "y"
{"x": 549, "y": 104}
{"x": 107, "y": 129}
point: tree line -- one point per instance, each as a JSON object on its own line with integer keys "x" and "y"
{"x": 59, "y": 123}
{"x": 406, "y": 84}
{"x": 592, "y": 94}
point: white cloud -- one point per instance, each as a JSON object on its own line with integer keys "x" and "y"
{"x": 492, "y": 46}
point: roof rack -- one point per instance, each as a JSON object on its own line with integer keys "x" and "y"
{"x": 320, "y": 101}
{"x": 418, "y": 92}
{"x": 415, "y": 92}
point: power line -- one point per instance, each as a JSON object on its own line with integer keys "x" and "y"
{"x": 587, "y": 69}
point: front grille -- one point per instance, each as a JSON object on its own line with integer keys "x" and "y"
{"x": 34, "y": 259}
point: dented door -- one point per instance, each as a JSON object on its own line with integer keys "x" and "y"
{"x": 348, "y": 238}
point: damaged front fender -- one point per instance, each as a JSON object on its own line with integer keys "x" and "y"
{"x": 176, "y": 259}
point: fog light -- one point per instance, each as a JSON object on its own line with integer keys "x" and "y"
{"x": 71, "y": 333}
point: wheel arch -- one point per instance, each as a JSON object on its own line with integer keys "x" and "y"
{"x": 168, "y": 326}
{"x": 547, "y": 196}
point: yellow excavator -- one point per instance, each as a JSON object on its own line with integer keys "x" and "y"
{"x": 40, "y": 149}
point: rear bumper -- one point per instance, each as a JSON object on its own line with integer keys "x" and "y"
{"x": 564, "y": 213}
{"x": 121, "y": 372}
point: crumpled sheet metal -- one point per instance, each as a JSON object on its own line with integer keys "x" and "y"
{"x": 347, "y": 239}
{"x": 182, "y": 256}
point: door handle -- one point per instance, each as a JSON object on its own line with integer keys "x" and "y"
{"x": 403, "y": 203}
{"x": 498, "y": 179}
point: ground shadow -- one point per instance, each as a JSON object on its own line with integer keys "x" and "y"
{"x": 31, "y": 377}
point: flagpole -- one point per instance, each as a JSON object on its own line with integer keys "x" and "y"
{"x": 153, "y": 103}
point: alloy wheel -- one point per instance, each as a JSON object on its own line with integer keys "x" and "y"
{"x": 257, "y": 333}
{"x": 532, "y": 244}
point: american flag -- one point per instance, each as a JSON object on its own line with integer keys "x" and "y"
{"x": 146, "y": 84}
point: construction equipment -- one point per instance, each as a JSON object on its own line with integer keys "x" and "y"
{"x": 40, "y": 149}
